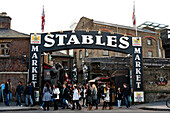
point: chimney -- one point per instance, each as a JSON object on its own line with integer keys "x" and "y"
{"x": 5, "y": 21}
{"x": 3, "y": 14}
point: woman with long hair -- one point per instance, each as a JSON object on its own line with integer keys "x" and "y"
{"x": 119, "y": 97}
{"x": 94, "y": 96}
{"x": 56, "y": 93}
{"x": 84, "y": 95}
{"x": 46, "y": 96}
{"x": 89, "y": 97}
{"x": 107, "y": 99}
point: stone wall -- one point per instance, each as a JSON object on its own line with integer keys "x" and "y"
{"x": 153, "y": 91}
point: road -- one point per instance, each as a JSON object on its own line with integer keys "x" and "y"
{"x": 92, "y": 111}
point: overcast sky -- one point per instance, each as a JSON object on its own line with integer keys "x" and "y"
{"x": 60, "y": 14}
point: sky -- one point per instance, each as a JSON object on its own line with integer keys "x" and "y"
{"x": 61, "y": 14}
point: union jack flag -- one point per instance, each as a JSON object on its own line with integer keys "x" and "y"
{"x": 134, "y": 16}
{"x": 43, "y": 20}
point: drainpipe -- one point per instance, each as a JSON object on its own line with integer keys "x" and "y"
{"x": 159, "y": 48}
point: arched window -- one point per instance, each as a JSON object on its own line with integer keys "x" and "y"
{"x": 86, "y": 53}
{"x": 149, "y": 42}
{"x": 80, "y": 54}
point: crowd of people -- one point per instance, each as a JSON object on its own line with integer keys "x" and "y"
{"x": 20, "y": 92}
{"x": 67, "y": 96}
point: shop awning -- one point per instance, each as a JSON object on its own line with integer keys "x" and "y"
{"x": 104, "y": 78}
{"x": 98, "y": 79}
{"x": 119, "y": 73}
{"x": 94, "y": 80}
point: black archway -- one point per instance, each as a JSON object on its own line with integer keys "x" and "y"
{"x": 89, "y": 40}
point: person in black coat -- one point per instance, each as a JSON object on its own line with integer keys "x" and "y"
{"x": 19, "y": 92}
{"x": 89, "y": 97}
{"x": 65, "y": 95}
{"x": 8, "y": 88}
{"x": 119, "y": 97}
{"x": 32, "y": 95}
{"x": 126, "y": 95}
{"x": 98, "y": 95}
{"x": 28, "y": 94}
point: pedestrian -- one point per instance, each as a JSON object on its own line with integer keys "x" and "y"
{"x": 126, "y": 95}
{"x": 29, "y": 94}
{"x": 76, "y": 98}
{"x": 79, "y": 91}
{"x": 89, "y": 97}
{"x": 119, "y": 97}
{"x": 8, "y": 91}
{"x": 84, "y": 96}
{"x": 19, "y": 93}
{"x": 46, "y": 96}
{"x": 94, "y": 96}
{"x": 107, "y": 98}
{"x": 41, "y": 107}
{"x": 65, "y": 96}
{"x": 32, "y": 95}
{"x": 71, "y": 96}
{"x": 98, "y": 94}
{"x": 56, "y": 93}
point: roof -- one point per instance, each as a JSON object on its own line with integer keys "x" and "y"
{"x": 153, "y": 25}
{"x": 60, "y": 54}
{"x": 122, "y": 26}
{"x": 9, "y": 33}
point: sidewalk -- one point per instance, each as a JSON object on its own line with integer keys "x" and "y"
{"x": 158, "y": 106}
{"x": 13, "y": 107}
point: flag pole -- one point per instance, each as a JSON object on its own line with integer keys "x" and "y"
{"x": 135, "y": 23}
{"x": 134, "y": 18}
{"x": 136, "y": 31}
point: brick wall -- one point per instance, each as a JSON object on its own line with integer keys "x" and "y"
{"x": 154, "y": 92}
{"x": 16, "y": 61}
{"x": 86, "y": 23}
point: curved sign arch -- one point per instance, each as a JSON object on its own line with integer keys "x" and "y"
{"x": 90, "y": 40}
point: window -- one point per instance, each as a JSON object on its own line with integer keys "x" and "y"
{"x": 149, "y": 42}
{"x": 75, "y": 57}
{"x": 86, "y": 53}
{"x": 105, "y": 52}
{"x": 4, "y": 49}
{"x": 80, "y": 54}
{"x": 150, "y": 54}
{"x": 169, "y": 35}
{"x": 65, "y": 64}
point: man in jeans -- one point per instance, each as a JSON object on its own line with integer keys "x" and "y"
{"x": 65, "y": 96}
{"x": 19, "y": 93}
{"x": 8, "y": 88}
{"x": 28, "y": 94}
{"x": 126, "y": 94}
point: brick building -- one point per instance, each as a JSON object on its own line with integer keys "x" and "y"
{"x": 66, "y": 61}
{"x": 165, "y": 36}
{"x": 14, "y": 53}
{"x": 152, "y": 44}
{"x": 117, "y": 65}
